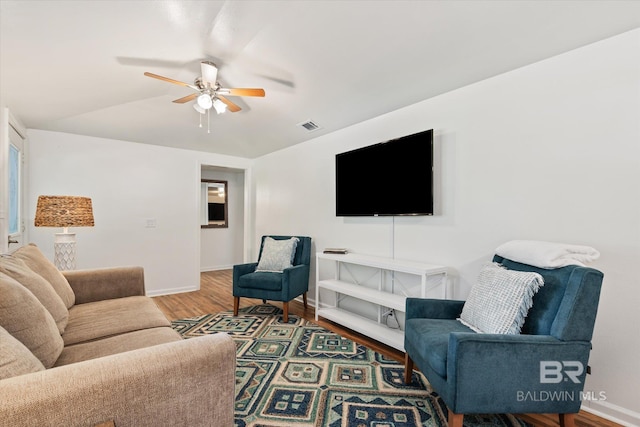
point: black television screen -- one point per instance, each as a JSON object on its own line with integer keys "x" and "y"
{"x": 390, "y": 178}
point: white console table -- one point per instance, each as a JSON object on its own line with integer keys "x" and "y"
{"x": 386, "y": 299}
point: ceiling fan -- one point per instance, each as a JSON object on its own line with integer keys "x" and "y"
{"x": 209, "y": 93}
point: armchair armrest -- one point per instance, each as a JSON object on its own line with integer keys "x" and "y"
{"x": 189, "y": 382}
{"x": 106, "y": 283}
{"x": 425, "y": 308}
{"x": 242, "y": 269}
{"x": 508, "y": 375}
{"x": 295, "y": 281}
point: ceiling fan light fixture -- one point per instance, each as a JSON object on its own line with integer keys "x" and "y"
{"x": 204, "y": 101}
{"x": 220, "y": 106}
{"x": 208, "y": 92}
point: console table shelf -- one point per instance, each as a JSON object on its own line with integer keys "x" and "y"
{"x": 384, "y": 299}
{"x": 380, "y": 332}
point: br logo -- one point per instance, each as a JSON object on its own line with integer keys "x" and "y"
{"x": 553, "y": 371}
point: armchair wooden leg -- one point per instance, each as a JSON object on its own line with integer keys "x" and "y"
{"x": 408, "y": 368}
{"x": 236, "y": 305}
{"x": 285, "y": 309}
{"x": 304, "y": 300}
{"x": 567, "y": 420}
{"x": 455, "y": 420}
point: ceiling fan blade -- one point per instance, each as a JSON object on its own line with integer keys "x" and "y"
{"x": 186, "y": 98}
{"x": 241, "y": 92}
{"x": 167, "y": 79}
{"x": 209, "y": 73}
{"x": 230, "y": 105}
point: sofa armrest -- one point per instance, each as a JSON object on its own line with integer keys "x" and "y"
{"x": 106, "y": 283}
{"x": 426, "y": 308}
{"x": 189, "y": 382}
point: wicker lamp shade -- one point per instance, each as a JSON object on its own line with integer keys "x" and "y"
{"x": 64, "y": 211}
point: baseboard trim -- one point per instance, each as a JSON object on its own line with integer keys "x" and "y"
{"x": 612, "y": 412}
{"x": 310, "y": 302}
{"x": 171, "y": 291}
{"x": 216, "y": 268}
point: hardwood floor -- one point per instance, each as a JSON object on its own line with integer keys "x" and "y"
{"x": 215, "y": 296}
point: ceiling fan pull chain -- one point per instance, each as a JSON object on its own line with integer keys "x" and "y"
{"x": 209, "y": 120}
{"x": 200, "y": 115}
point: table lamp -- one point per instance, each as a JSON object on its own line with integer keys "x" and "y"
{"x": 64, "y": 211}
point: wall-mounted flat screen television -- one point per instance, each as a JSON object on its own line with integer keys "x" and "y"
{"x": 389, "y": 178}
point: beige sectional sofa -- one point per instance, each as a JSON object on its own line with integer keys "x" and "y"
{"x": 87, "y": 347}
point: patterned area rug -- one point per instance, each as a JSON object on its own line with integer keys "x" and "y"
{"x": 300, "y": 374}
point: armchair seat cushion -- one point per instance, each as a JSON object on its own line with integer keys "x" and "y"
{"x": 262, "y": 280}
{"x": 431, "y": 339}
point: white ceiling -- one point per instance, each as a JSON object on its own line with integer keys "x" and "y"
{"x": 77, "y": 66}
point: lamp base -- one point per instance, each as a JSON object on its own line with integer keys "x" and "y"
{"x": 65, "y": 251}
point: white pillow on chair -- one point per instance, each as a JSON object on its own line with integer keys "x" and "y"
{"x": 500, "y": 301}
{"x": 277, "y": 254}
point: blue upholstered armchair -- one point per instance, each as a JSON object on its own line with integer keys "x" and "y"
{"x": 541, "y": 370}
{"x": 275, "y": 286}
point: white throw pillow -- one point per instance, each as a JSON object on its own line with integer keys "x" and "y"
{"x": 500, "y": 301}
{"x": 277, "y": 254}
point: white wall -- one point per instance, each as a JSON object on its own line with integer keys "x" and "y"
{"x": 550, "y": 151}
{"x": 129, "y": 184}
{"x": 221, "y": 248}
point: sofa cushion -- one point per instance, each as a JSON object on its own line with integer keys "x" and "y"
{"x": 116, "y": 344}
{"x": 38, "y": 285}
{"x": 431, "y": 338}
{"x": 24, "y": 317}
{"x": 100, "y": 319}
{"x": 500, "y": 300}
{"x": 15, "y": 358}
{"x": 35, "y": 260}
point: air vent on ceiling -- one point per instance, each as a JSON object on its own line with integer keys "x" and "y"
{"x": 309, "y": 125}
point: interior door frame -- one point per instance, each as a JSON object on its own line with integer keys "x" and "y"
{"x": 8, "y": 124}
{"x": 247, "y": 213}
